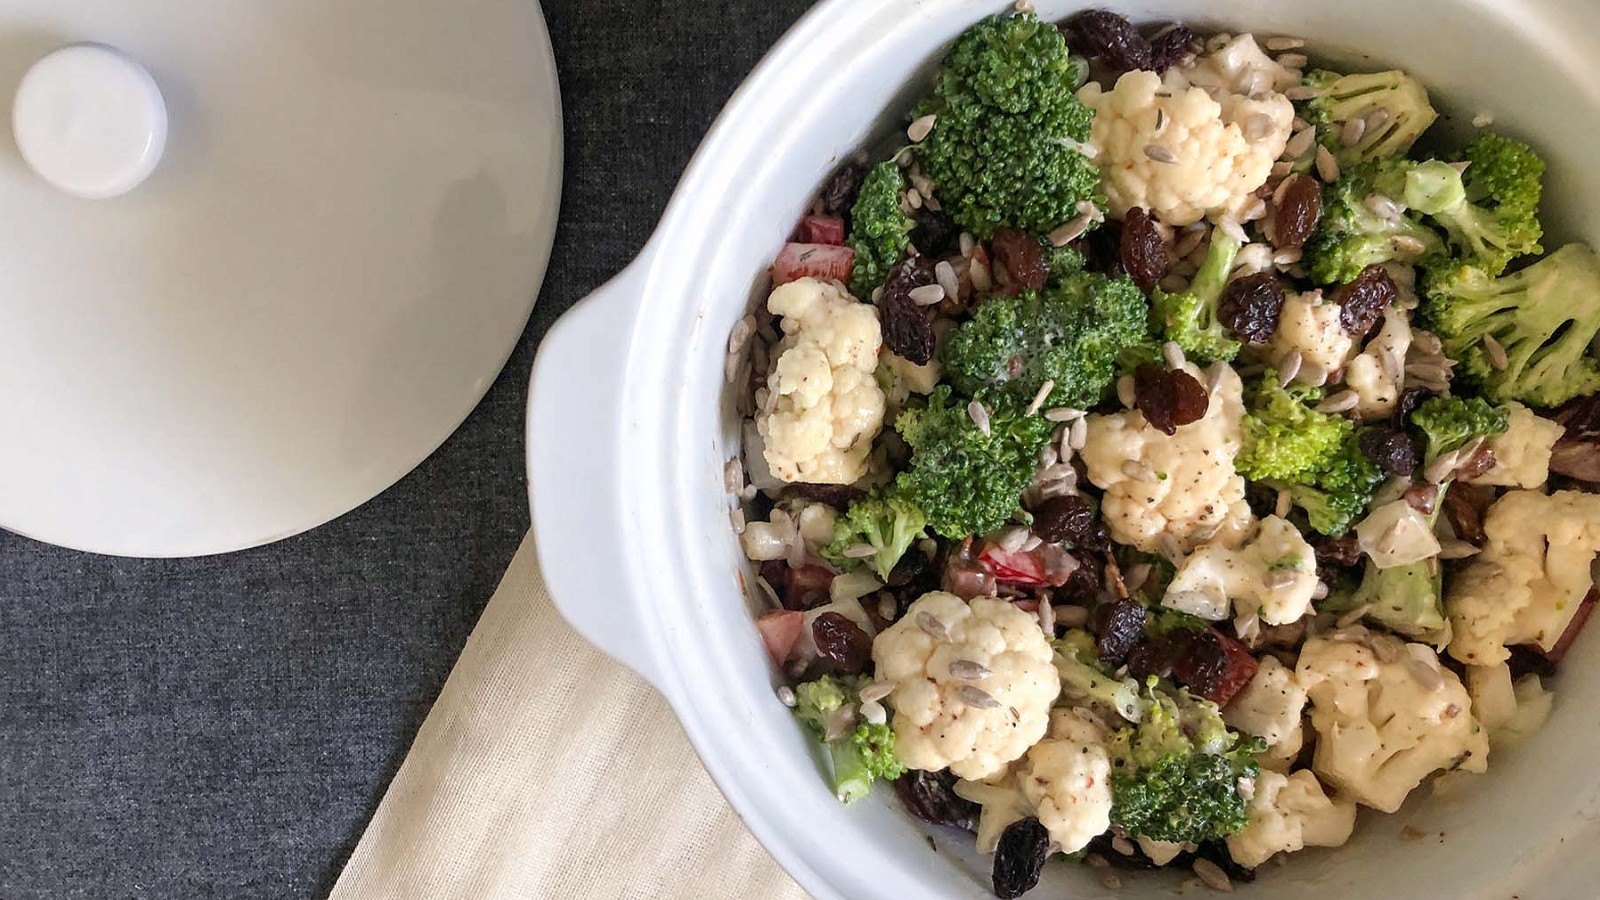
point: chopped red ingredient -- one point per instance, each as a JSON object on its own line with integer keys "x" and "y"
{"x": 821, "y": 261}
{"x": 1047, "y": 565}
{"x": 780, "y": 631}
{"x": 1215, "y": 666}
{"x": 805, "y": 587}
{"x": 820, "y": 230}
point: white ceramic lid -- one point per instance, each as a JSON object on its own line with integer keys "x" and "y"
{"x": 323, "y": 275}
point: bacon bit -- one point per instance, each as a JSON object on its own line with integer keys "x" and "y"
{"x": 820, "y": 230}
{"x": 780, "y": 632}
{"x": 1215, "y": 666}
{"x": 821, "y": 261}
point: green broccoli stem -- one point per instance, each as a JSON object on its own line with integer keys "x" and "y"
{"x": 852, "y": 778}
{"x": 1212, "y": 277}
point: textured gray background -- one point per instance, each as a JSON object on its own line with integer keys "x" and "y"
{"x": 223, "y": 727}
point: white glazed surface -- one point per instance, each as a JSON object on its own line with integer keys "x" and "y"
{"x": 634, "y": 460}
{"x": 328, "y": 269}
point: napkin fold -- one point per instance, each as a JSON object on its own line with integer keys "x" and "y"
{"x": 545, "y": 769}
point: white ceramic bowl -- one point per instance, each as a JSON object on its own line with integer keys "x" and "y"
{"x": 630, "y": 425}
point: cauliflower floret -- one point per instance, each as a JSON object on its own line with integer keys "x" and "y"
{"x": 973, "y": 725}
{"x": 824, "y": 406}
{"x": 1066, "y": 779}
{"x": 1385, "y": 718}
{"x": 1395, "y": 534}
{"x": 1272, "y": 576}
{"x": 900, "y": 378}
{"x": 1378, "y": 370}
{"x": 1526, "y": 585}
{"x": 1289, "y": 813}
{"x": 1510, "y": 712}
{"x": 1193, "y": 493}
{"x": 1522, "y": 451}
{"x": 1269, "y": 707}
{"x": 1239, "y": 67}
{"x": 1182, "y": 154}
{"x": 1311, "y": 326}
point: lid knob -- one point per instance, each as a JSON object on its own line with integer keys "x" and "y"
{"x": 90, "y": 120}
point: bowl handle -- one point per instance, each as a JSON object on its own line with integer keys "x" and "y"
{"x": 574, "y": 445}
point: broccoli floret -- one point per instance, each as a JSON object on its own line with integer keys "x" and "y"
{"x": 1004, "y": 148}
{"x": 1071, "y": 334}
{"x": 1407, "y": 599}
{"x": 888, "y": 522}
{"x": 1352, "y": 235}
{"x": 1449, "y": 423}
{"x": 1491, "y": 211}
{"x": 859, "y": 755}
{"x": 1543, "y": 317}
{"x": 1190, "y": 318}
{"x": 1175, "y": 776}
{"x": 1063, "y": 262}
{"x": 1284, "y": 438}
{"x": 1403, "y": 100}
{"x": 965, "y": 481}
{"x": 879, "y": 230}
{"x": 1335, "y": 496}
{"x": 1083, "y": 678}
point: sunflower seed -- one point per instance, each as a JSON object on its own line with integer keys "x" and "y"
{"x": 1122, "y": 845}
{"x": 1327, "y": 165}
{"x": 926, "y": 295}
{"x": 1278, "y": 579}
{"x": 1287, "y": 257}
{"x": 736, "y": 517}
{"x": 1340, "y": 402}
{"x": 1013, "y": 539}
{"x": 786, "y": 696}
{"x": 1231, "y": 227}
{"x": 1303, "y": 92}
{"x": 1495, "y": 351}
{"x": 1376, "y": 119}
{"x": 1427, "y": 675}
{"x": 1320, "y": 591}
{"x": 1293, "y": 60}
{"x": 1299, "y": 143}
{"x": 980, "y": 416}
{"x": 876, "y": 691}
{"x": 1280, "y": 44}
{"x": 1457, "y": 550}
{"x": 914, "y": 198}
{"x": 979, "y": 273}
{"x": 1352, "y": 130}
{"x": 1125, "y": 390}
{"x": 1071, "y": 616}
{"x": 1040, "y": 396}
{"x": 930, "y": 623}
{"x": 968, "y": 244}
{"x": 1047, "y": 617}
{"x": 859, "y": 551}
{"x": 920, "y": 128}
{"x": 1071, "y": 231}
{"x": 977, "y": 697}
{"x": 1289, "y": 366}
{"x": 1353, "y": 616}
{"x": 1173, "y": 354}
{"x": 873, "y": 712}
{"x": 887, "y": 607}
{"x": 1440, "y": 469}
{"x": 946, "y": 276}
{"x": 968, "y": 670}
{"x": 1078, "y": 434}
{"x": 1213, "y": 876}
{"x": 1257, "y": 127}
{"x": 1160, "y": 154}
{"x": 1063, "y": 414}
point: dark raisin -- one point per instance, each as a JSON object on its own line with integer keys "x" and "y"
{"x": 1169, "y": 398}
{"x": 1390, "y": 449}
{"x": 1362, "y": 301}
{"x": 1020, "y": 857}
{"x": 842, "y": 641}
{"x": 931, "y": 797}
{"x": 1106, "y": 846}
{"x": 1579, "y": 619}
{"x": 838, "y": 496}
{"x": 1143, "y": 253}
{"x": 1217, "y": 853}
{"x": 1577, "y": 452}
{"x": 911, "y": 566}
{"x": 1071, "y": 519}
{"x": 1109, "y": 38}
{"x": 1022, "y": 255}
{"x": 1170, "y": 47}
{"x": 1464, "y": 507}
{"x": 1102, "y": 249}
{"x": 1476, "y": 464}
{"x": 1158, "y": 657}
{"x": 839, "y": 194}
{"x": 1215, "y": 666}
{"x": 1083, "y": 585}
{"x": 1298, "y": 213}
{"x": 1410, "y": 399}
{"x": 1118, "y": 627}
{"x": 935, "y": 234}
{"x": 1423, "y": 498}
{"x": 908, "y": 327}
{"x": 1344, "y": 550}
{"x": 1529, "y": 660}
{"x": 1251, "y": 306}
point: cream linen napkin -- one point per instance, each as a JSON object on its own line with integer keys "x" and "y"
{"x": 547, "y": 770}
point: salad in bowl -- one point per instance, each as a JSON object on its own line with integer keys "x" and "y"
{"x": 1165, "y": 448}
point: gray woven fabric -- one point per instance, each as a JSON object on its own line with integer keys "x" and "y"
{"x": 223, "y": 727}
